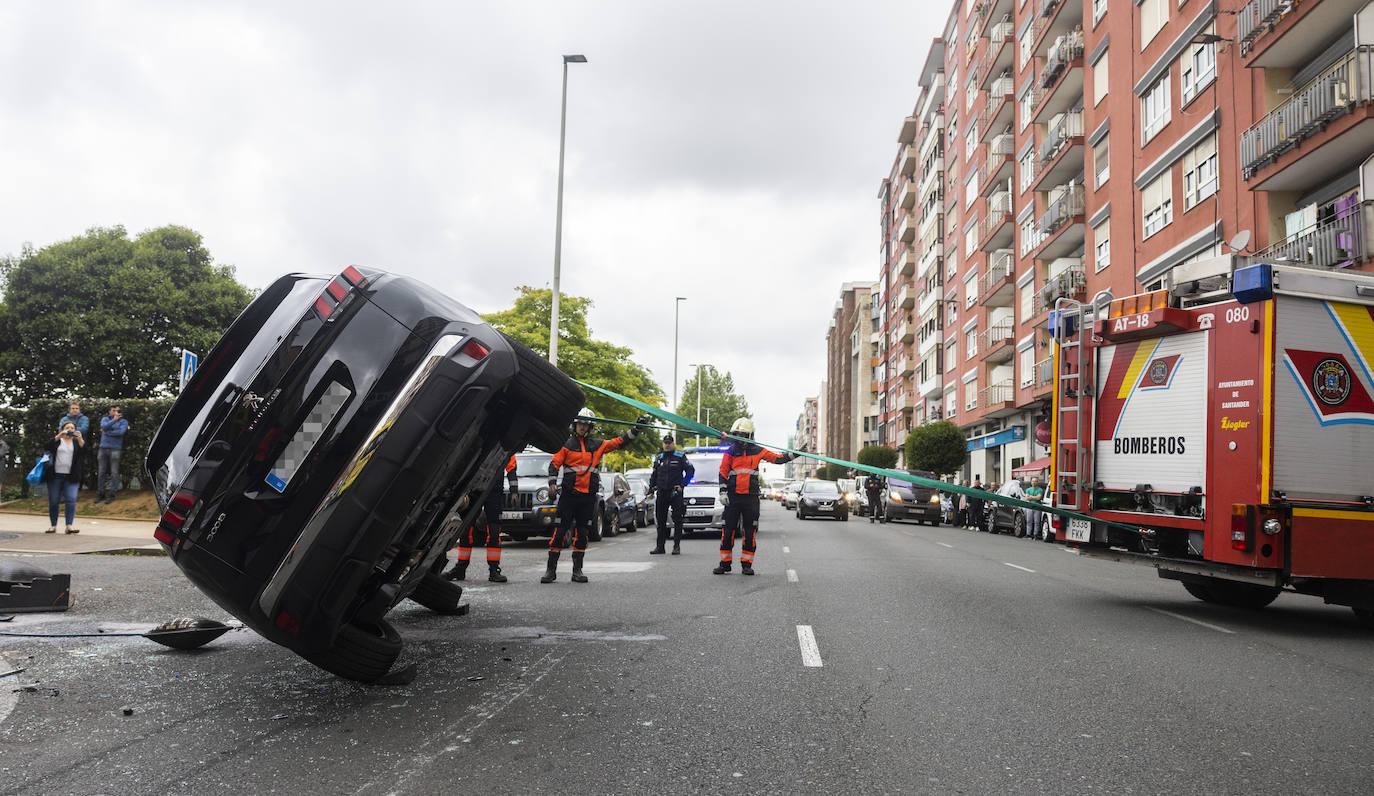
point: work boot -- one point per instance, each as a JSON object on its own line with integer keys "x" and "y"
{"x": 577, "y": 576}
{"x": 746, "y": 568}
{"x": 677, "y": 548}
{"x": 494, "y": 574}
{"x": 658, "y": 550}
{"x": 459, "y": 571}
{"x": 551, "y": 574}
{"x": 723, "y": 569}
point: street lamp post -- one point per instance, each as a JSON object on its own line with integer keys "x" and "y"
{"x": 708, "y": 412}
{"x": 558, "y": 222}
{"x": 677, "y": 304}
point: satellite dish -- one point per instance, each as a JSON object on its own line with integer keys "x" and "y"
{"x": 1240, "y": 241}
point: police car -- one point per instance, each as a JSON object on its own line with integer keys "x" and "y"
{"x": 704, "y": 510}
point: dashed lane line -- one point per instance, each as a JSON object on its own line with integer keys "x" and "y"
{"x": 1207, "y": 625}
{"x": 1017, "y": 566}
{"x": 786, "y": 549}
{"x": 791, "y": 576}
{"x": 811, "y": 654}
{"x": 945, "y": 544}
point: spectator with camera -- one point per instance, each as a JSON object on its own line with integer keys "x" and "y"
{"x": 63, "y": 472}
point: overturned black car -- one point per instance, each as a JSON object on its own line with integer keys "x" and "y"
{"x": 337, "y": 438}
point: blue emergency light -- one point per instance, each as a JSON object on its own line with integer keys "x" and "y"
{"x": 1253, "y": 283}
{"x": 1067, "y": 321}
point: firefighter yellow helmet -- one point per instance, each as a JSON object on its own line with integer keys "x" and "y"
{"x": 743, "y": 427}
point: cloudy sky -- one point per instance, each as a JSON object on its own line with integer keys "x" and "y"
{"x": 729, "y": 152}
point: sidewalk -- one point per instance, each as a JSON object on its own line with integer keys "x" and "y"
{"x": 24, "y": 533}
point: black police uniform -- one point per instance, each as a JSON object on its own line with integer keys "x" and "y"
{"x": 672, "y": 472}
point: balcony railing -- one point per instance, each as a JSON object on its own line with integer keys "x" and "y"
{"x": 1071, "y": 283}
{"x": 1337, "y": 243}
{"x": 1064, "y": 50}
{"x": 1257, "y": 18}
{"x": 1065, "y": 207}
{"x": 998, "y": 393}
{"x": 999, "y": 203}
{"x": 996, "y": 335}
{"x": 1064, "y": 127}
{"x": 999, "y": 269}
{"x": 1044, "y": 372}
{"x": 1333, "y": 93}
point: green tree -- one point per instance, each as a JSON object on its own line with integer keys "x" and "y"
{"x": 582, "y": 357}
{"x": 101, "y": 314}
{"x": 938, "y": 447}
{"x": 832, "y": 472}
{"x": 719, "y": 401}
{"x": 877, "y": 456}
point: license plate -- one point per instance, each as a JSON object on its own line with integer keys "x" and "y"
{"x": 1080, "y": 530}
{"x": 512, "y": 515}
{"x": 698, "y": 514}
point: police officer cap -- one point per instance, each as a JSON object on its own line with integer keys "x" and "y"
{"x": 668, "y": 438}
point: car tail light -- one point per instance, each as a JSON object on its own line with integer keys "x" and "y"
{"x": 474, "y": 350}
{"x": 288, "y": 623}
{"x": 1242, "y": 535}
{"x": 174, "y": 517}
{"x": 336, "y": 291}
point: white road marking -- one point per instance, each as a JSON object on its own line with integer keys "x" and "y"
{"x": 942, "y": 544}
{"x": 811, "y": 654}
{"x": 786, "y": 549}
{"x": 1017, "y": 566}
{"x": 791, "y": 576}
{"x": 1207, "y": 625}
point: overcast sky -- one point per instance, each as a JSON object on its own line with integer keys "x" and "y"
{"x": 729, "y": 152}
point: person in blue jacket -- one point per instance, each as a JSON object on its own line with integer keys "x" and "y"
{"x": 83, "y": 423}
{"x": 672, "y": 472}
{"x": 113, "y": 426}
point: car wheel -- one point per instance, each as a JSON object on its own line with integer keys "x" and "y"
{"x": 551, "y": 397}
{"x": 361, "y": 653}
{"x": 1018, "y": 525}
{"x": 438, "y": 595}
{"x": 598, "y": 520}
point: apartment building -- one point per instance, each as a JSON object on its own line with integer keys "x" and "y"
{"x": 808, "y": 435}
{"x": 863, "y": 357}
{"x": 1219, "y": 120}
{"x": 847, "y": 391}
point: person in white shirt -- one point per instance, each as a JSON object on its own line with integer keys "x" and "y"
{"x": 63, "y": 473}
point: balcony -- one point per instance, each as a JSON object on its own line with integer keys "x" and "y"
{"x": 1043, "y": 373}
{"x": 926, "y": 303}
{"x": 932, "y": 224}
{"x": 908, "y": 132}
{"x": 997, "y": 399}
{"x": 906, "y": 366}
{"x": 1000, "y": 110}
{"x": 906, "y": 230}
{"x": 1060, "y": 157}
{"x": 996, "y": 230}
{"x": 1060, "y": 86}
{"x": 909, "y": 159}
{"x": 931, "y": 386}
{"x": 1001, "y": 52}
{"x": 932, "y": 141}
{"x": 907, "y": 331}
{"x": 1333, "y": 110}
{"x": 1334, "y": 244}
{"x": 1071, "y": 283}
{"x": 906, "y": 299}
{"x": 930, "y": 258}
{"x": 1062, "y": 223}
{"x": 1287, "y": 34}
{"x": 995, "y": 343}
{"x": 907, "y": 197}
{"x": 997, "y": 287}
{"x": 931, "y": 191}
{"x": 906, "y": 264}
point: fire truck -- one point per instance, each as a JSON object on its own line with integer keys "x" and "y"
{"x": 1221, "y": 429}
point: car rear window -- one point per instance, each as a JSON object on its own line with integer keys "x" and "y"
{"x": 820, "y": 488}
{"x": 707, "y": 468}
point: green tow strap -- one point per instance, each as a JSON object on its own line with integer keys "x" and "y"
{"x": 945, "y": 486}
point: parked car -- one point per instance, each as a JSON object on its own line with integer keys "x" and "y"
{"x": 644, "y": 502}
{"x": 849, "y": 489}
{"x": 789, "y": 495}
{"x": 617, "y": 505}
{"x": 332, "y": 445}
{"x": 1005, "y": 518}
{"x": 537, "y": 514}
{"x": 907, "y": 500}
{"x": 703, "y": 510}
{"x": 821, "y": 499}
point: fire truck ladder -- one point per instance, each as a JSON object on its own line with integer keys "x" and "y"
{"x": 1073, "y": 399}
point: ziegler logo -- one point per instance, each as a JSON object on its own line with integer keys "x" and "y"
{"x": 1331, "y": 381}
{"x": 1227, "y": 424}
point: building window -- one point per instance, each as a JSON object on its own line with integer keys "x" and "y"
{"x": 1101, "y": 162}
{"x": 1099, "y": 79}
{"x": 951, "y": 404}
{"x": 971, "y": 92}
{"x": 1154, "y": 15}
{"x": 971, "y": 342}
{"x": 1102, "y": 247}
{"x": 971, "y": 240}
{"x": 971, "y": 190}
{"x": 1154, "y": 108}
{"x": 1025, "y": 107}
{"x": 1026, "y": 47}
{"x": 1028, "y": 301}
{"x": 1197, "y": 68}
{"x": 1200, "y": 171}
{"x": 1157, "y": 203}
{"x": 951, "y": 356}
{"x": 1099, "y": 8}
{"x": 970, "y": 395}
{"x": 1027, "y": 170}
{"x": 1027, "y": 365}
{"x": 970, "y": 143}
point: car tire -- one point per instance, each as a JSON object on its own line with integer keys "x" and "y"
{"x": 551, "y": 397}
{"x": 361, "y": 653}
{"x": 438, "y": 595}
{"x": 1018, "y": 524}
{"x": 598, "y": 521}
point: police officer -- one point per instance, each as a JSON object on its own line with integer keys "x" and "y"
{"x": 739, "y": 492}
{"x": 874, "y": 489}
{"x": 491, "y": 525}
{"x": 672, "y": 472}
{"x": 578, "y": 459}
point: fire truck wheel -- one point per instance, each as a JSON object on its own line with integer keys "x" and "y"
{"x": 1199, "y": 591}
{"x": 1233, "y": 594}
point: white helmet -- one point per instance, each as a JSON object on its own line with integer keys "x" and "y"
{"x": 743, "y": 427}
{"x": 584, "y": 415}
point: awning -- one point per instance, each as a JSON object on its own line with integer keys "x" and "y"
{"x": 1037, "y": 467}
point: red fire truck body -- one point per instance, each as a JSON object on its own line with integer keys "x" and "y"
{"x": 1227, "y": 422}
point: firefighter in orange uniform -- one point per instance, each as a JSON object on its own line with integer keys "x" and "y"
{"x": 578, "y": 458}
{"x": 491, "y": 521}
{"x": 739, "y": 491}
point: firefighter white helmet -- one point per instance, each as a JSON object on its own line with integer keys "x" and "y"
{"x": 584, "y": 415}
{"x": 743, "y": 427}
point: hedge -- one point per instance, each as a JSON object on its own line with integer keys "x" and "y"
{"x": 38, "y": 424}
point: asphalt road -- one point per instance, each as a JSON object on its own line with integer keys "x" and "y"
{"x": 944, "y": 661}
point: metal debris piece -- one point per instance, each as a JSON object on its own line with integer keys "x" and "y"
{"x": 127, "y": 711}
{"x": 187, "y": 633}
